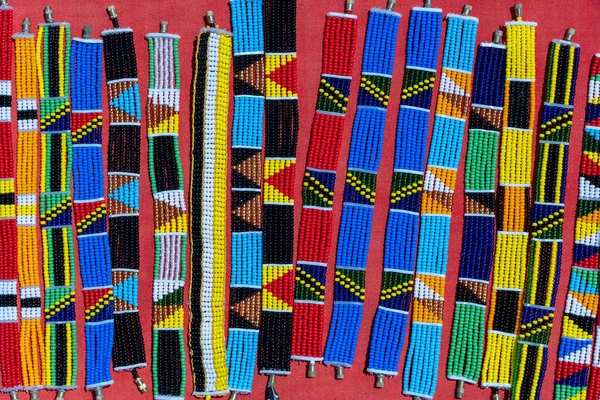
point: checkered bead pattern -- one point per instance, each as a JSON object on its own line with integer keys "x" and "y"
{"x": 245, "y": 290}
{"x": 53, "y": 56}
{"x": 89, "y": 209}
{"x": 439, "y": 180}
{"x": 10, "y": 358}
{"x": 546, "y": 230}
{"x": 479, "y": 199}
{"x": 513, "y": 206}
{"x": 339, "y": 44}
{"x": 395, "y": 296}
{"x": 281, "y": 137}
{"x": 170, "y": 216}
{"x": 28, "y": 169}
{"x": 124, "y": 111}
{"x": 208, "y": 210}
{"x": 581, "y": 308}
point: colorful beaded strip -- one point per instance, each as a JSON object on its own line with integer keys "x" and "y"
{"x": 545, "y": 248}
{"x": 479, "y": 232}
{"x": 359, "y": 192}
{"x": 53, "y": 64}
{"x": 10, "y": 360}
{"x": 28, "y": 168}
{"x": 282, "y": 123}
{"x": 575, "y": 348}
{"x": 120, "y": 68}
{"x": 391, "y": 318}
{"x": 513, "y": 217}
{"x": 439, "y": 181}
{"x": 246, "y": 194}
{"x": 89, "y": 209}
{"x": 170, "y": 217}
{"x": 339, "y": 44}
{"x": 210, "y": 108}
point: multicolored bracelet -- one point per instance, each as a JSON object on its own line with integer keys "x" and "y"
{"x": 53, "y": 64}
{"x": 28, "y": 168}
{"x": 246, "y": 193}
{"x": 439, "y": 180}
{"x": 359, "y": 192}
{"x": 513, "y": 202}
{"x": 120, "y": 68}
{"x": 545, "y": 248}
{"x": 479, "y": 231}
{"x": 170, "y": 215}
{"x": 10, "y": 359}
{"x": 90, "y": 209}
{"x": 210, "y": 106}
{"x": 581, "y": 309}
{"x": 282, "y": 122}
{"x": 391, "y": 318}
{"x": 316, "y": 223}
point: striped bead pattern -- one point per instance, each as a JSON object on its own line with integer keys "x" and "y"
{"x": 28, "y": 169}
{"x": 339, "y": 45}
{"x": 208, "y": 212}
{"x": 120, "y": 68}
{"x": 246, "y": 193}
{"x": 10, "y": 359}
{"x": 439, "y": 180}
{"x": 281, "y": 137}
{"x": 53, "y": 63}
{"x": 399, "y": 253}
{"x": 513, "y": 206}
{"x": 581, "y": 309}
{"x": 170, "y": 217}
{"x": 546, "y": 230}
{"x": 479, "y": 232}
{"x": 89, "y": 209}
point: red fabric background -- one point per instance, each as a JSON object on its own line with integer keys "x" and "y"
{"x": 186, "y": 18}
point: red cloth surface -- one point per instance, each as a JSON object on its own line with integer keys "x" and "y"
{"x": 186, "y": 18}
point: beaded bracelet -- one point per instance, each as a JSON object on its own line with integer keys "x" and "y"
{"x": 479, "y": 232}
{"x": 120, "y": 69}
{"x": 10, "y": 360}
{"x": 246, "y": 198}
{"x": 170, "y": 218}
{"x": 28, "y": 168}
{"x": 421, "y": 368}
{"x": 282, "y": 122}
{"x": 581, "y": 309}
{"x": 89, "y": 209}
{"x": 339, "y": 44}
{"x": 208, "y": 211}
{"x": 53, "y": 65}
{"x": 513, "y": 202}
{"x": 546, "y": 228}
{"x": 391, "y": 318}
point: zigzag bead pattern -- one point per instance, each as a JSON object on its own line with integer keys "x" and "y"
{"x": 572, "y": 376}
{"x": 28, "y": 168}
{"x": 124, "y": 110}
{"x": 454, "y": 96}
{"x": 339, "y": 44}
{"x": 53, "y": 55}
{"x": 281, "y": 136}
{"x": 395, "y": 296}
{"x": 89, "y": 209}
{"x": 246, "y": 193}
{"x": 170, "y": 217}
{"x": 479, "y": 231}
{"x": 545, "y": 247}
{"x": 510, "y": 261}
{"x": 10, "y": 359}
{"x": 208, "y": 211}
